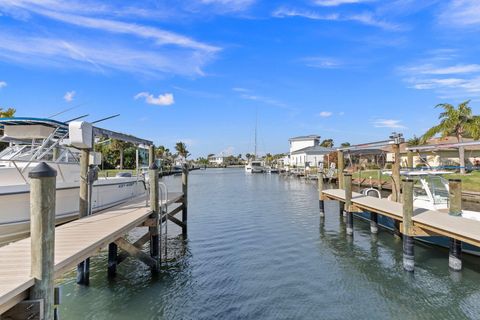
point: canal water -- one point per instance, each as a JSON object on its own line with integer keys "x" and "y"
{"x": 257, "y": 250}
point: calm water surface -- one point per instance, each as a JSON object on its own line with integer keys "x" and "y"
{"x": 257, "y": 250}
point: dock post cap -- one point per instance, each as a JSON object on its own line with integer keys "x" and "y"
{"x": 408, "y": 179}
{"x": 42, "y": 170}
{"x": 454, "y": 180}
{"x": 347, "y": 173}
{"x": 153, "y": 166}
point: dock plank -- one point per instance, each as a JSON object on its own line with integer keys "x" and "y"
{"x": 441, "y": 223}
{"x": 74, "y": 242}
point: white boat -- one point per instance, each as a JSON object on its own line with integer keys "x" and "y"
{"x": 430, "y": 192}
{"x": 33, "y": 140}
{"x": 254, "y": 166}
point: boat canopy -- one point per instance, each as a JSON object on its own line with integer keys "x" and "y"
{"x": 42, "y": 128}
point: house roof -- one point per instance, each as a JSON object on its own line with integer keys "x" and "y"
{"x": 301, "y": 138}
{"x": 316, "y": 150}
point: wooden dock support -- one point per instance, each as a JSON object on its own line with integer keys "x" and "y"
{"x": 42, "y": 230}
{"x": 348, "y": 202}
{"x": 341, "y": 167}
{"x": 83, "y": 268}
{"x": 112, "y": 260}
{"x": 410, "y": 160}
{"x": 455, "y": 209}
{"x": 154, "y": 206}
{"x": 185, "y": 200}
{"x": 373, "y": 222}
{"x": 321, "y": 204}
{"x": 408, "y": 248}
{"x": 396, "y": 174}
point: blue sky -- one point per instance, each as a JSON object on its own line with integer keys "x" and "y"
{"x": 199, "y": 70}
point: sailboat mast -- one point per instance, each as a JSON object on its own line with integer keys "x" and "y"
{"x": 256, "y": 124}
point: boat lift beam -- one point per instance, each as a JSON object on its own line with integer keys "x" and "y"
{"x": 395, "y": 138}
{"x": 443, "y": 146}
{"x": 100, "y": 132}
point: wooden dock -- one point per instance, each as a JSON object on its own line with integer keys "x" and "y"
{"x": 425, "y": 222}
{"x": 74, "y": 242}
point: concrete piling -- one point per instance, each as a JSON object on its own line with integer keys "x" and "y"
{"x": 321, "y": 204}
{"x": 455, "y": 209}
{"x": 408, "y": 242}
{"x": 42, "y": 230}
{"x": 348, "y": 202}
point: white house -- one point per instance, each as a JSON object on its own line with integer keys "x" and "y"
{"x": 305, "y": 151}
{"x": 218, "y": 159}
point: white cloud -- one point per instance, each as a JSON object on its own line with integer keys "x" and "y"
{"x": 333, "y": 3}
{"x": 237, "y": 89}
{"x": 461, "y": 13}
{"x": 388, "y": 123}
{"x": 444, "y": 74}
{"x": 322, "y": 62}
{"x": 365, "y": 18}
{"x": 162, "y": 99}
{"x": 228, "y": 151}
{"x": 69, "y": 96}
{"x": 3, "y": 84}
{"x": 113, "y": 44}
{"x": 325, "y": 114}
{"x": 229, "y": 5}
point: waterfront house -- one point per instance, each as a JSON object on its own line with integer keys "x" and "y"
{"x": 305, "y": 151}
{"x": 218, "y": 159}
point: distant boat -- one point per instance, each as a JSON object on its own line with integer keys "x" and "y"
{"x": 255, "y": 165}
{"x": 271, "y": 170}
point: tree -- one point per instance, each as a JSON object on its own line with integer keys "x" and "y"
{"x": 414, "y": 141}
{"x": 345, "y": 145}
{"x": 459, "y": 122}
{"x": 9, "y": 113}
{"x": 327, "y": 143}
{"x": 248, "y": 156}
{"x": 182, "y": 150}
{"x": 120, "y": 146}
{"x": 160, "y": 151}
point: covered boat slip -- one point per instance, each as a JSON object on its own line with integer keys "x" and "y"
{"x": 77, "y": 241}
{"x": 425, "y": 222}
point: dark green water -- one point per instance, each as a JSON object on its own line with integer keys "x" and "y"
{"x": 257, "y": 250}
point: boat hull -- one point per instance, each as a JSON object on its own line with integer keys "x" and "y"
{"x": 15, "y": 205}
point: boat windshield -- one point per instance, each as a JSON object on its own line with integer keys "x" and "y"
{"x": 256, "y": 164}
{"x": 438, "y": 188}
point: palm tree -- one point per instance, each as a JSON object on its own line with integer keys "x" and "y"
{"x": 459, "y": 122}
{"x": 327, "y": 143}
{"x": 345, "y": 145}
{"x": 182, "y": 150}
{"x": 414, "y": 141}
{"x": 160, "y": 152}
{"x": 9, "y": 113}
{"x": 120, "y": 146}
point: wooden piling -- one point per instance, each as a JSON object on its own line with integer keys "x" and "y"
{"x": 151, "y": 155}
{"x": 42, "y": 230}
{"x": 348, "y": 202}
{"x": 321, "y": 204}
{"x": 379, "y": 176}
{"x": 408, "y": 248}
{"x": 410, "y": 160}
{"x": 455, "y": 209}
{"x": 341, "y": 167}
{"x": 154, "y": 206}
{"x": 83, "y": 267}
{"x": 396, "y": 174}
{"x": 112, "y": 260}
{"x": 185, "y": 200}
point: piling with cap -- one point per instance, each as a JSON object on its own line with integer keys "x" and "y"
{"x": 321, "y": 204}
{"x": 185, "y": 200}
{"x": 348, "y": 202}
{"x": 341, "y": 167}
{"x": 408, "y": 248}
{"x": 154, "y": 207}
{"x": 455, "y": 209}
{"x": 42, "y": 230}
{"x": 83, "y": 268}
